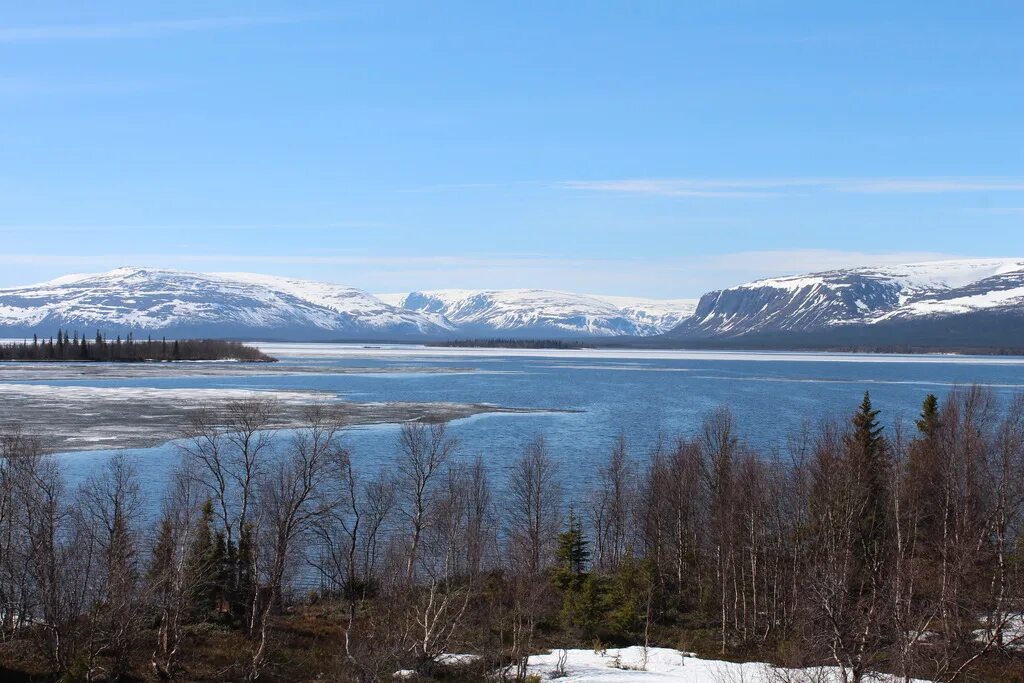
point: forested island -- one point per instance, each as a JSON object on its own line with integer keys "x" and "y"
{"x": 68, "y": 347}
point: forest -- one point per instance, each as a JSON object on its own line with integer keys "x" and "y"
{"x": 276, "y": 556}
{"x": 78, "y": 348}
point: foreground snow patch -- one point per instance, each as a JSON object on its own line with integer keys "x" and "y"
{"x": 634, "y": 665}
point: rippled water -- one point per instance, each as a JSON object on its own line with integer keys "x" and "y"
{"x": 644, "y": 394}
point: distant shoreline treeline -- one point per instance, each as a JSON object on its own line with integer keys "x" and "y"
{"x": 512, "y": 344}
{"x": 78, "y": 348}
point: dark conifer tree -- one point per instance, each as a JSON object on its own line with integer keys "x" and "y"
{"x": 161, "y": 566}
{"x": 870, "y": 469}
{"x": 928, "y": 423}
{"x": 573, "y": 547}
{"x": 240, "y": 563}
{"x": 205, "y": 563}
{"x": 923, "y": 503}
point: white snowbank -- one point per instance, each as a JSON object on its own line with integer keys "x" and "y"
{"x": 634, "y": 665}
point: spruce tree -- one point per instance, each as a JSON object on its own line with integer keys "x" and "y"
{"x": 222, "y": 569}
{"x": 573, "y": 550}
{"x": 928, "y": 423}
{"x": 205, "y": 563}
{"x": 241, "y": 564}
{"x": 581, "y": 592}
{"x": 868, "y": 459}
{"x": 867, "y": 433}
{"x": 162, "y": 563}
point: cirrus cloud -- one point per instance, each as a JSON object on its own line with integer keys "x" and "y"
{"x": 773, "y": 187}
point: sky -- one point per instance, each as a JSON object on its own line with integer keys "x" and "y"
{"x": 656, "y": 149}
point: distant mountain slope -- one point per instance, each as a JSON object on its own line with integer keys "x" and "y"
{"x": 885, "y": 296}
{"x": 945, "y": 304}
{"x": 249, "y": 305}
{"x": 541, "y": 312}
{"x": 653, "y": 316}
{"x": 178, "y": 303}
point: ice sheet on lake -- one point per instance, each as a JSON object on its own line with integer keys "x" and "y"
{"x": 73, "y": 418}
{"x": 393, "y": 352}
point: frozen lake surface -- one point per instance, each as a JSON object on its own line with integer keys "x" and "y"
{"x": 646, "y": 395}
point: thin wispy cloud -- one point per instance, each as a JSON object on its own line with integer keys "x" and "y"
{"x": 774, "y": 187}
{"x": 134, "y": 29}
{"x": 688, "y": 187}
{"x": 441, "y": 261}
{"x": 22, "y": 228}
{"x": 1000, "y": 210}
{"x": 929, "y": 185}
{"x": 21, "y": 87}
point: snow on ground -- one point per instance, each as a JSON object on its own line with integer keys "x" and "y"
{"x": 1013, "y": 632}
{"x": 634, "y": 665}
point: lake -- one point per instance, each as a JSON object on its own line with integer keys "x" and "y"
{"x": 646, "y": 395}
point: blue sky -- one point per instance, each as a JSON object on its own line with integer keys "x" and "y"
{"x": 645, "y": 148}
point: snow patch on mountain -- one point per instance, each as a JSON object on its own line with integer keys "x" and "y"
{"x": 341, "y": 299}
{"x": 656, "y": 315}
{"x": 912, "y": 276}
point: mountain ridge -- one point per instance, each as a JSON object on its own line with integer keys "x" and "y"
{"x": 251, "y": 305}
{"x": 539, "y": 311}
{"x": 969, "y": 301}
{"x": 836, "y": 304}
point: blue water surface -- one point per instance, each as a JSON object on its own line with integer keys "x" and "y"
{"x": 645, "y": 395}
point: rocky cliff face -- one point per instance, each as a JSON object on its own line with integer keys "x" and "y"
{"x": 860, "y": 296}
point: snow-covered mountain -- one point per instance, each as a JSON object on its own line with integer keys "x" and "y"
{"x": 861, "y": 296}
{"x": 655, "y": 316}
{"x": 178, "y": 303}
{"x": 247, "y": 305}
{"x": 542, "y": 312}
{"x": 953, "y": 303}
